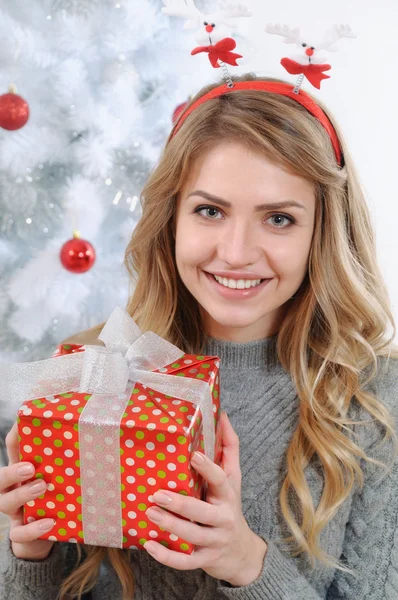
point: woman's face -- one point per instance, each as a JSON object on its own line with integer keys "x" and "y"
{"x": 233, "y": 238}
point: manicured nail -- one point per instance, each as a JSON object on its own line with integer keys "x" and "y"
{"x": 37, "y": 487}
{"x": 46, "y": 523}
{"x": 25, "y": 470}
{"x": 161, "y": 498}
{"x": 197, "y": 458}
{"x": 155, "y": 514}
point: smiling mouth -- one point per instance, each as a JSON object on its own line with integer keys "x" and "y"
{"x": 240, "y": 288}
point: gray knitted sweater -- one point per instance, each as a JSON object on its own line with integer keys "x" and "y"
{"x": 261, "y": 402}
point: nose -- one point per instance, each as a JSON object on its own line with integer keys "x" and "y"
{"x": 209, "y": 28}
{"x": 237, "y": 247}
{"x": 309, "y": 51}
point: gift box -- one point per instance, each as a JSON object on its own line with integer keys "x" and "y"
{"x": 134, "y": 412}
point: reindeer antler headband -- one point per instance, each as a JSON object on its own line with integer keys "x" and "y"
{"x": 212, "y": 30}
{"x": 309, "y": 61}
{"x": 284, "y": 89}
{"x": 213, "y": 36}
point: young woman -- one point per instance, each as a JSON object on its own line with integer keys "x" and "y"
{"x": 255, "y": 245}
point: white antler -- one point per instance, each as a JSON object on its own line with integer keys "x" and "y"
{"x": 334, "y": 35}
{"x": 228, "y": 11}
{"x": 185, "y": 9}
{"x": 233, "y": 11}
{"x": 291, "y": 35}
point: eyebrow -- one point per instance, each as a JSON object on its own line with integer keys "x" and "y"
{"x": 259, "y": 207}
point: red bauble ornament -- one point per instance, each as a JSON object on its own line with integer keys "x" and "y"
{"x": 178, "y": 110}
{"x": 14, "y": 110}
{"x": 77, "y": 256}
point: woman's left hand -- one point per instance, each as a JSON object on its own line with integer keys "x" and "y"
{"x": 227, "y": 548}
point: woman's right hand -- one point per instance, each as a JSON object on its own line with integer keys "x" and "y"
{"x": 15, "y": 491}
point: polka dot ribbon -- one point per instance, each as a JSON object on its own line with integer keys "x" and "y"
{"x": 109, "y": 373}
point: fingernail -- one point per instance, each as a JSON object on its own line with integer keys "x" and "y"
{"x": 154, "y": 514}
{"x": 46, "y": 523}
{"x": 36, "y": 487}
{"x": 151, "y": 548}
{"x": 161, "y": 498}
{"x": 198, "y": 458}
{"x": 25, "y": 470}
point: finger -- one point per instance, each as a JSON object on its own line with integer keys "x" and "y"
{"x": 176, "y": 560}
{"x": 11, "y": 502}
{"x": 32, "y": 531}
{"x": 213, "y": 474}
{"x": 190, "y": 508}
{"x": 12, "y": 444}
{"x": 208, "y": 537}
{"x": 230, "y": 443}
{"x": 15, "y": 474}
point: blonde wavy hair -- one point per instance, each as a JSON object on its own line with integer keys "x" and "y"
{"x": 331, "y": 335}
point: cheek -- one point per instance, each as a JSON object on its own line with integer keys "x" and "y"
{"x": 290, "y": 256}
{"x": 190, "y": 246}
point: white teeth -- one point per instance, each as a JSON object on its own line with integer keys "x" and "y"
{"x": 239, "y": 284}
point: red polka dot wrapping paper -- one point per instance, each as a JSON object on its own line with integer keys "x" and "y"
{"x": 158, "y": 434}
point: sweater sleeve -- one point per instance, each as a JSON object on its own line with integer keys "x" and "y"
{"x": 279, "y": 580}
{"x": 370, "y": 546}
{"x": 371, "y": 538}
{"x": 370, "y": 549}
{"x": 27, "y": 579}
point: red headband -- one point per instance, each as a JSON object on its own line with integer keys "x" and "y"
{"x": 277, "y": 88}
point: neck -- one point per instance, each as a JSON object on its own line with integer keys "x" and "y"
{"x": 258, "y": 353}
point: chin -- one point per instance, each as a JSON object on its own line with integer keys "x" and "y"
{"x": 234, "y": 319}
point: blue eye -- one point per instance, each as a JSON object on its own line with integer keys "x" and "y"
{"x": 199, "y": 209}
{"x": 290, "y": 219}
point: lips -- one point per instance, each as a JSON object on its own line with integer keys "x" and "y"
{"x": 236, "y": 293}
{"x": 237, "y": 276}
{"x": 219, "y": 280}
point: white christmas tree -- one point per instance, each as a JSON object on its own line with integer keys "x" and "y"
{"x": 101, "y": 81}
